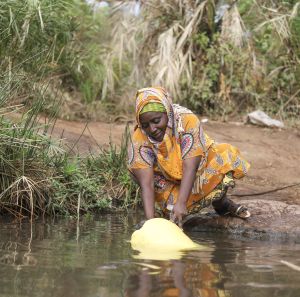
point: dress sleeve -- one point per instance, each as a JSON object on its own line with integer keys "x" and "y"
{"x": 140, "y": 152}
{"x": 194, "y": 142}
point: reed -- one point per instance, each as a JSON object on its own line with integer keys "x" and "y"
{"x": 48, "y": 46}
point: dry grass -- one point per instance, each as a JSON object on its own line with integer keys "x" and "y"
{"x": 161, "y": 53}
{"x": 233, "y": 29}
{"x": 223, "y": 70}
{"x": 279, "y": 20}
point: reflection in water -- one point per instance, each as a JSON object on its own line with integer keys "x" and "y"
{"x": 12, "y": 256}
{"x": 145, "y": 284}
{"x": 93, "y": 258}
{"x": 183, "y": 278}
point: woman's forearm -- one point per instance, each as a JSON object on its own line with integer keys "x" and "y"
{"x": 148, "y": 201}
{"x": 145, "y": 179}
{"x": 186, "y": 186}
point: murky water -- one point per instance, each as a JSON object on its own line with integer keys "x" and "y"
{"x": 94, "y": 258}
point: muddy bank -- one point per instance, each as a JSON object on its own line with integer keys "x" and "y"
{"x": 270, "y": 220}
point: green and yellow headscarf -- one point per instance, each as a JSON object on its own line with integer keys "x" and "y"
{"x": 152, "y": 99}
{"x": 153, "y": 107}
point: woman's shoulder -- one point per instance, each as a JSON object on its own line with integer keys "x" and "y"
{"x": 184, "y": 112}
{"x": 190, "y": 119}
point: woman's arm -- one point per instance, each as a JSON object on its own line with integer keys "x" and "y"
{"x": 190, "y": 167}
{"x": 146, "y": 181}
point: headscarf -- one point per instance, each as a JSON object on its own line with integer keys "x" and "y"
{"x": 169, "y": 151}
{"x": 153, "y": 94}
{"x": 153, "y": 107}
{"x": 160, "y": 95}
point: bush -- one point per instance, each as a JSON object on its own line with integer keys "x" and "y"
{"x": 56, "y": 42}
{"x": 249, "y": 59}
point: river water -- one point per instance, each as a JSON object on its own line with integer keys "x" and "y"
{"x": 94, "y": 258}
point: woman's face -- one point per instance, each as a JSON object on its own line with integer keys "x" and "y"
{"x": 154, "y": 124}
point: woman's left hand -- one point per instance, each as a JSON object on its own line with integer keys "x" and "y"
{"x": 178, "y": 213}
{"x": 190, "y": 167}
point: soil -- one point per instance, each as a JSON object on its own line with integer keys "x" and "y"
{"x": 274, "y": 156}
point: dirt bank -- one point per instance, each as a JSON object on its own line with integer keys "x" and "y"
{"x": 274, "y": 154}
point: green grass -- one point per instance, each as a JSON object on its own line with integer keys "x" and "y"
{"x": 38, "y": 176}
{"x": 49, "y": 48}
{"x": 97, "y": 182}
{"x": 62, "y": 41}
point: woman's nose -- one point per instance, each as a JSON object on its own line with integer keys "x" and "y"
{"x": 152, "y": 128}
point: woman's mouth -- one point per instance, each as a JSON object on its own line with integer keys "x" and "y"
{"x": 157, "y": 136}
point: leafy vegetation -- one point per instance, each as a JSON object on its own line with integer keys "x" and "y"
{"x": 95, "y": 183}
{"x": 49, "y": 49}
{"x": 221, "y": 58}
{"x": 39, "y": 176}
{"x": 58, "y": 43}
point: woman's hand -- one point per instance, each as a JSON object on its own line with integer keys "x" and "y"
{"x": 179, "y": 211}
{"x": 190, "y": 167}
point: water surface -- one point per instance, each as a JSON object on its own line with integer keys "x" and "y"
{"x": 94, "y": 258}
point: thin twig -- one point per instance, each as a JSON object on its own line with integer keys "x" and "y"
{"x": 266, "y": 192}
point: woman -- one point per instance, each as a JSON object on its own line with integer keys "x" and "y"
{"x": 176, "y": 164}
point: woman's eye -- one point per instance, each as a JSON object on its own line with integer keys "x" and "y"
{"x": 156, "y": 121}
{"x": 144, "y": 126}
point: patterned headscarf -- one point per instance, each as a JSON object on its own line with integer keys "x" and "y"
{"x": 154, "y": 94}
{"x": 160, "y": 95}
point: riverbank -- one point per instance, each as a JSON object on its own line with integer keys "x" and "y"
{"x": 270, "y": 220}
{"x": 273, "y": 154}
